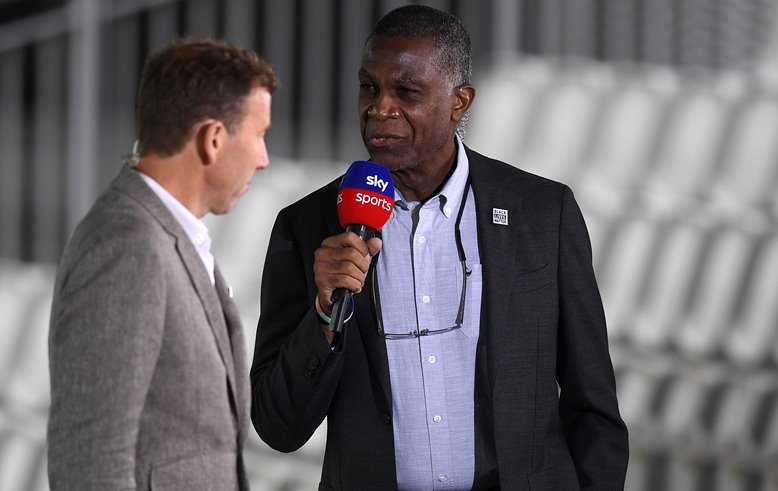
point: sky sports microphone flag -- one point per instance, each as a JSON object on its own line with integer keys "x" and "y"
{"x": 366, "y": 196}
{"x": 365, "y": 202}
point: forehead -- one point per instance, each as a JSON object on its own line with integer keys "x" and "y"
{"x": 257, "y": 106}
{"x": 399, "y": 57}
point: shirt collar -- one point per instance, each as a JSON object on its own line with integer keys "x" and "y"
{"x": 194, "y": 228}
{"x": 450, "y": 196}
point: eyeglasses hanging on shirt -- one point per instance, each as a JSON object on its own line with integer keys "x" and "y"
{"x": 465, "y": 273}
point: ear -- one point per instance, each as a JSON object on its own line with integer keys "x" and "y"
{"x": 463, "y": 99}
{"x": 210, "y": 139}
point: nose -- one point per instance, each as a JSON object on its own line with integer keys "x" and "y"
{"x": 263, "y": 160}
{"x": 383, "y": 107}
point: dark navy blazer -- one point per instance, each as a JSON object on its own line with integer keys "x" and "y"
{"x": 546, "y": 412}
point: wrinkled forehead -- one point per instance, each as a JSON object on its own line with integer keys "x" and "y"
{"x": 401, "y": 57}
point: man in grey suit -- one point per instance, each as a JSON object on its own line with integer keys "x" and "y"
{"x": 149, "y": 381}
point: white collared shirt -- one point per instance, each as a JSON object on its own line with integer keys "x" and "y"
{"x": 194, "y": 228}
{"x": 432, "y": 377}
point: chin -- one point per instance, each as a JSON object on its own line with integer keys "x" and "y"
{"x": 395, "y": 166}
{"x": 391, "y": 162}
{"x": 223, "y": 210}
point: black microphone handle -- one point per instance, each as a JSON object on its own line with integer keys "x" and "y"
{"x": 341, "y": 297}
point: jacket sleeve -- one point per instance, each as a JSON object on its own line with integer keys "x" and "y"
{"x": 595, "y": 432}
{"x": 106, "y": 330}
{"x": 294, "y": 374}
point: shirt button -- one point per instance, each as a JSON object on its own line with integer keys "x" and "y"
{"x": 432, "y": 359}
{"x": 425, "y": 299}
{"x": 437, "y": 418}
{"x": 442, "y": 478}
{"x": 447, "y": 210}
{"x": 422, "y": 239}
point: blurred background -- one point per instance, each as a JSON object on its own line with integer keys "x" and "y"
{"x": 662, "y": 115}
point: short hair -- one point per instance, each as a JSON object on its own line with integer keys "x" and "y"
{"x": 453, "y": 53}
{"x": 452, "y": 50}
{"x": 192, "y": 80}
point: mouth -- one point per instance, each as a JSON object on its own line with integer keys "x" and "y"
{"x": 381, "y": 141}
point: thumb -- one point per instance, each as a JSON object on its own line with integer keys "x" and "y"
{"x": 374, "y": 245}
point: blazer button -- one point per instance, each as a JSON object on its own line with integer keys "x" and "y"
{"x": 387, "y": 418}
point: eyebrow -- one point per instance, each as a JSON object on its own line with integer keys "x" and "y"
{"x": 363, "y": 73}
{"x": 411, "y": 80}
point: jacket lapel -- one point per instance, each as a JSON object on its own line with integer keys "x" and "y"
{"x": 210, "y": 300}
{"x": 240, "y": 386}
{"x": 497, "y": 245}
{"x": 496, "y": 197}
{"x": 130, "y": 183}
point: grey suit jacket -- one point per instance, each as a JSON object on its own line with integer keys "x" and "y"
{"x": 149, "y": 383}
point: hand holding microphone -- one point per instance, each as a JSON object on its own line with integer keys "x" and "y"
{"x": 365, "y": 202}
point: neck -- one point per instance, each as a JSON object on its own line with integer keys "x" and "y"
{"x": 177, "y": 177}
{"x": 422, "y": 181}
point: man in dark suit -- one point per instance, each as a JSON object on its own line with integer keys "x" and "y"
{"x": 477, "y": 354}
{"x": 149, "y": 380}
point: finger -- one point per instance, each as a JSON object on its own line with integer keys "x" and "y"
{"x": 346, "y": 240}
{"x": 338, "y": 259}
{"x": 341, "y": 275}
{"x": 339, "y": 267}
{"x": 374, "y": 245}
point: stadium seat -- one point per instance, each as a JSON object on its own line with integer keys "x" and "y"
{"x": 665, "y": 298}
{"x": 622, "y": 145}
{"x": 22, "y": 461}
{"x": 508, "y": 99}
{"x": 627, "y": 259}
{"x": 754, "y": 334}
{"x": 687, "y": 153}
{"x": 715, "y": 293}
{"x": 749, "y": 176}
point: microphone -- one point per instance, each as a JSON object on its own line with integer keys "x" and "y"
{"x": 365, "y": 202}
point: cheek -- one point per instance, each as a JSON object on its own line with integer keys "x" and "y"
{"x": 363, "y": 102}
{"x": 435, "y": 120}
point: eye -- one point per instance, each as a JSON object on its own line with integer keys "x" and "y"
{"x": 407, "y": 92}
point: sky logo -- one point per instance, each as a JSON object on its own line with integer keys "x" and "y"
{"x": 377, "y": 182}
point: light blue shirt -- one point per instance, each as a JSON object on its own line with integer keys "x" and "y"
{"x": 432, "y": 377}
{"x": 194, "y": 228}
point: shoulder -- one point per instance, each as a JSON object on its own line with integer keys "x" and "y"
{"x": 117, "y": 227}
{"x": 116, "y": 215}
{"x": 319, "y": 205}
{"x": 494, "y": 175}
